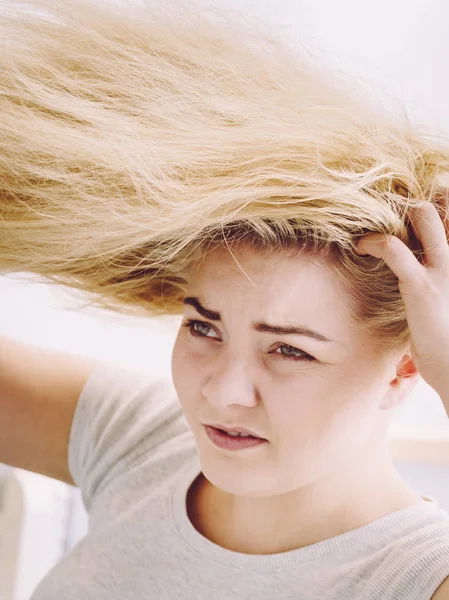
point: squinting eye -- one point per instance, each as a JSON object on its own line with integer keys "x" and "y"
{"x": 191, "y": 323}
{"x": 304, "y": 355}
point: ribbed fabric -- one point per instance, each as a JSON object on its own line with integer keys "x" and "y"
{"x": 133, "y": 456}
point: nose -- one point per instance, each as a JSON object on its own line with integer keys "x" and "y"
{"x": 231, "y": 384}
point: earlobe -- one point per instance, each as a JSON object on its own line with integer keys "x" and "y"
{"x": 396, "y": 395}
{"x": 401, "y": 385}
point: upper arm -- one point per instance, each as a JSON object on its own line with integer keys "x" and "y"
{"x": 442, "y": 592}
{"x": 39, "y": 391}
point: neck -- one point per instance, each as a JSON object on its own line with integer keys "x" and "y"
{"x": 355, "y": 496}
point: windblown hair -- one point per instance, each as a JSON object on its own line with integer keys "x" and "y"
{"x": 134, "y": 137}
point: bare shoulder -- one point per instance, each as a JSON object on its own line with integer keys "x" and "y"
{"x": 442, "y": 592}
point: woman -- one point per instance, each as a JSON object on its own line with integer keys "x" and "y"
{"x": 169, "y": 162}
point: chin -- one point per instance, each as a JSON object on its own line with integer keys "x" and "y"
{"x": 234, "y": 477}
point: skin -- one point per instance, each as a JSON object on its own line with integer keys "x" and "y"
{"x": 327, "y": 468}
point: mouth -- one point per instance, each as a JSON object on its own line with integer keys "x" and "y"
{"x": 226, "y": 441}
{"x": 235, "y": 431}
{"x": 237, "y": 434}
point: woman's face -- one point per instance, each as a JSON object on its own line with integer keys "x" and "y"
{"x": 320, "y": 404}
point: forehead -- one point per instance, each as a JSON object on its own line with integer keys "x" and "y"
{"x": 285, "y": 288}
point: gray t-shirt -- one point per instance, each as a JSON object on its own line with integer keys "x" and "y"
{"x": 133, "y": 456}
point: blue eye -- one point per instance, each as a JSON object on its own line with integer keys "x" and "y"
{"x": 191, "y": 324}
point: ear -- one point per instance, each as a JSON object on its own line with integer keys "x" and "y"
{"x": 404, "y": 380}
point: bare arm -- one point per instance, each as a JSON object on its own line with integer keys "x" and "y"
{"x": 39, "y": 390}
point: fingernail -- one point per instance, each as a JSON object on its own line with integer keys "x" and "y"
{"x": 373, "y": 245}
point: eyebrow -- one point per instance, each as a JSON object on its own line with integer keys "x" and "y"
{"x": 262, "y": 327}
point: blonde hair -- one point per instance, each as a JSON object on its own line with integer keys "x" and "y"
{"x": 133, "y": 137}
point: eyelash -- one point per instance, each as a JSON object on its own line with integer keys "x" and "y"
{"x": 307, "y": 357}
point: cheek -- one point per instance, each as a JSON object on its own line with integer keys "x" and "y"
{"x": 315, "y": 424}
{"x": 180, "y": 359}
{"x": 185, "y": 377}
{"x": 317, "y": 442}
{"x": 182, "y": 374}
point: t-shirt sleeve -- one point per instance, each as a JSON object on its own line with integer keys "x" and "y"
{"x": 120, "y": 416}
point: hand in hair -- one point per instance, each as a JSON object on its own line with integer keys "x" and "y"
{"x": 425, "y": 291}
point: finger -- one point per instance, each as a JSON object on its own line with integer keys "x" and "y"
{"x": 440, "y": 199}
{"x": 401, "y": 261}
{"x": 430, "y": 230}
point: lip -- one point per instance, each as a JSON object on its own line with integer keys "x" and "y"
{"x": 236, "y": 429}
{"x": 222, "y": 440}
